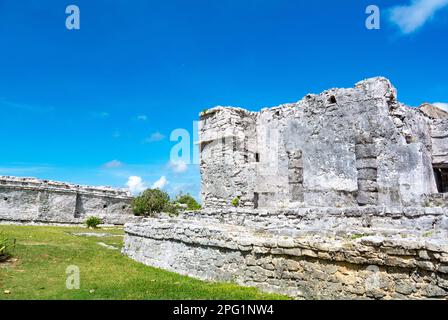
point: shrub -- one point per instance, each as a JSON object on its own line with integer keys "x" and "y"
{"x": 152, "y": 201}
{"x": 188, "y": 200}
{"x": 236, "y": 201}
{"x": 93, "y": 222}
{"x": 171, "y": 208}
{"x": 6, "y": 246}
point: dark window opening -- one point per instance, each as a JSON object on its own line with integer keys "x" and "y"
{"x": 246, "y": 152}
{"x": 223, "y": 146}
{"x": 332, "y": 99}
{"x": 256, "y": 198}
{"x": 5, "y": 199}
{"x": 441, "y": 175}
{"x": 409, "y": 139}
{"x": 79, "y": 208}
{"x": 257, "y": 157}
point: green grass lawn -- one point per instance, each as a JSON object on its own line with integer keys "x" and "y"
{"x": 38, "y": 270}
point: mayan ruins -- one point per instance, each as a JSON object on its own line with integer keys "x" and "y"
{"x": 29, "y": 200}
{"x": 341, "y": 195}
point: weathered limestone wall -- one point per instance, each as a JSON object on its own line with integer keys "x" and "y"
{"x": 343, "y": 147}
{"x": 228, "y": 139}
{"x": 307, "y": 265}
{"x": 33, "y": 200}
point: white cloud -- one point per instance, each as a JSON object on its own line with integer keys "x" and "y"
{"x": 178, "y": 166}
{"x": 100, "y": 115}
{"x": 441, "y": 105}
{"x": 113, "y": 164}
{"x": 411, "y": 17}
{"x": 136, "y": 185}
{"x": 142, "y": 117}
{"x": 24, "y": 107}
{"x": 159, "y": 184}
{"x": 156, "y": 136}
{"x": 24, "y": 171}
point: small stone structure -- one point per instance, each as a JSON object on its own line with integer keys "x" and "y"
{"x": 340, "y": 195}
{"x": 27, "y": 200}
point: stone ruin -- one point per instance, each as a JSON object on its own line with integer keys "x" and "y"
{"x": 29, "y": 200}
{"x": 343, "y": 148}
{"x": 342, "y": 195}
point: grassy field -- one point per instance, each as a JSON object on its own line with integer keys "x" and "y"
{"x": 38, "y": 270}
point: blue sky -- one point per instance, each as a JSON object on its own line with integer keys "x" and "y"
{"x": 97, "y": 105}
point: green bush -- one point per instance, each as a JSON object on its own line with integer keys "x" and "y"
{"x": 188, "y": 200}
{"x": 236, "y": 201}
{"x": 93, "y": 222}
{"x": 171, "y": 208}
{"x": 6, "y": 246}
{"x": 151, "y": 202}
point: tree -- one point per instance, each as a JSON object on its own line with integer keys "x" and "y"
{"x": 188, "y": 200}
{"x": 152, "y": 201}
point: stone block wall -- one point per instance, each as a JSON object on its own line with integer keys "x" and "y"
{"x": 305, "y": 265}
{"x": 33, "y": 200}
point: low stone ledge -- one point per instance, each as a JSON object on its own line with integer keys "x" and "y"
{"x": 211, "y": 251}
{"x": 389, "y": 219}
{"x": 117, "y": 220}
{"x": 363, "y": 250}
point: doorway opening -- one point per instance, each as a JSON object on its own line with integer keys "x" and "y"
{"x": 256, "y": 199}
{"x": 441, "y": 175}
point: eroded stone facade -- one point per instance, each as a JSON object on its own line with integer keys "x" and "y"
{"x": 344, "y": 147}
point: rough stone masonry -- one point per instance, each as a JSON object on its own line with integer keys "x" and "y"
{"x": 340, "y": 195}
{"x": 25, "y": 200}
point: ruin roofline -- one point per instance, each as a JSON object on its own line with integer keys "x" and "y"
{"x": 31, "y": 182}
{"x": 368, "y": 84}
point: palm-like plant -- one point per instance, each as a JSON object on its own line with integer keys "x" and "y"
{"x": 6, "y": 246}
